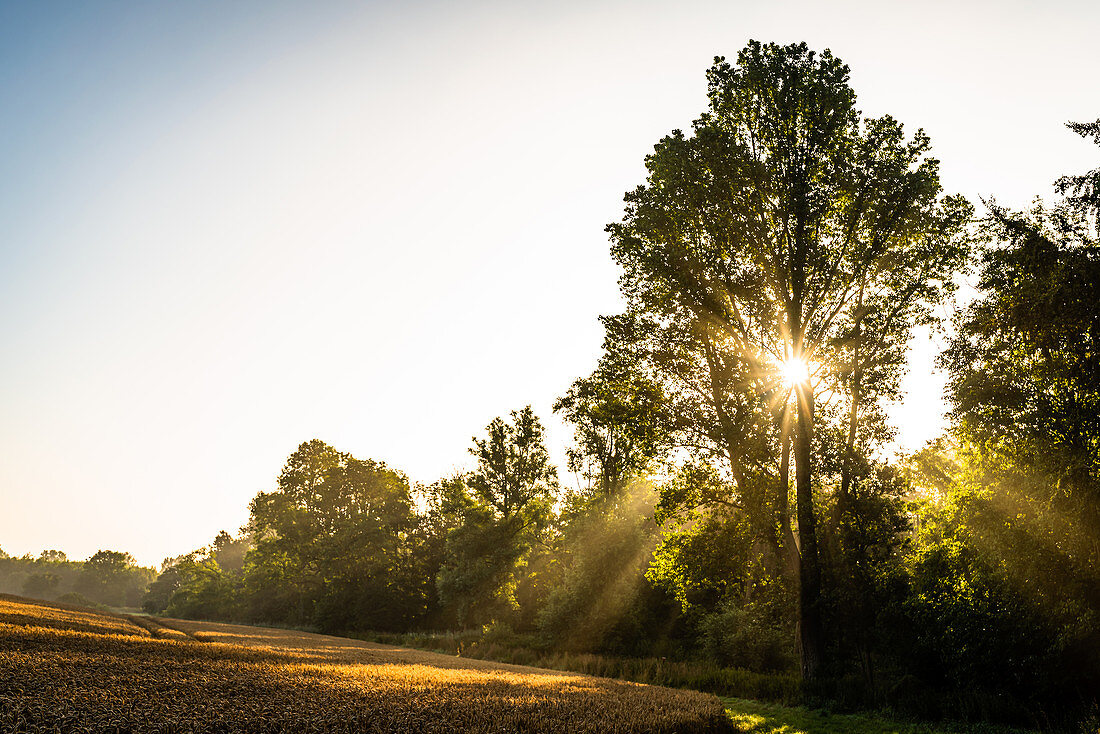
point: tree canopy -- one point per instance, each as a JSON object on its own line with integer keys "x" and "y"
{"x": 782, "y": 228}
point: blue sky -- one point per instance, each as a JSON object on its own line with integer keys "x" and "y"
{"x": 229, "y": 228}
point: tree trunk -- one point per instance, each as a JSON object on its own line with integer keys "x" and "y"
{"x": 842, "y": 500}
{"x": 809, "y": 592}
{"x": 787, "y": 539}
{"x": 856, "y": 379}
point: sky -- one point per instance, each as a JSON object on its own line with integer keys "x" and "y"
{"x": 228, "y": 228}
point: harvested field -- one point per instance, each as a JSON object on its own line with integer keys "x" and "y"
{"x": 63, "y": 669}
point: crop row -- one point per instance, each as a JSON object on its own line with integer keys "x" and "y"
{"x": 222, "y": 678}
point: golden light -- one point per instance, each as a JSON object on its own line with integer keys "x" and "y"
{"x": 795, "y": 371}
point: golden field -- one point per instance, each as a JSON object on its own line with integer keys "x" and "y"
{"x": 67, "y": 669}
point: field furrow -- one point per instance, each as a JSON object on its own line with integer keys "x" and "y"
{"x": 70, "y": 670}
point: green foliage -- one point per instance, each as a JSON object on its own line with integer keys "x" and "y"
{"x": 754, "y": 634}
{"x": 75, "y": 598}
{"x": 197, "y": 585}
{"x": 107, "y": 578}
{"x": 1024, "y": 365}
{"x": 482, "y": 560}
{"x": 710, "y": 559}
{"x": 333, "y": 545}
{"x": 994, "y": 609}
{"x": 204, "y": 590}
{"x": 514, "y": 478}
{"x": 42, "y": 585}
{"x": 1082, "y": 191}
{"x": 1007, "y": 581}
{"x": 866, "y": 541}
{"x": 754, "y": 717}
{"x": 976, "y": 627}
{"x": 700, "y": 675}
{"x": 113, "y": 578}
{"x": 963, "y": 584}
{"x": 159, "y": 593}
{"x": 619, "y": 426}
{"x": 230, "y": 552}
{"x": 500, "y": 513}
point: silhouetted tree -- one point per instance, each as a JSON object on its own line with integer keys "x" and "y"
{"x": 113, "y": 578}
{"x": 769, "y": 234}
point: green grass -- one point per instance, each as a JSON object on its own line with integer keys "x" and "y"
{"x": 692, "y": 674}
{"x": 755, "y": 717}
{"x": 760, "y": 703}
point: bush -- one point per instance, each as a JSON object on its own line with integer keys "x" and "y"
{"x": 738, "y": 637}
{"x": 78, "y": 600}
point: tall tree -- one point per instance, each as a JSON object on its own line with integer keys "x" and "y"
{"x": 618, "y": 424}
{"x": 765, "y": 240}
{"x": 513, "y": 475}
{"x": 504, "y": 505}
{"x": 1024, "y": 365}
{"x": 1082, "y": 191}
{"x": 332, "y": 544}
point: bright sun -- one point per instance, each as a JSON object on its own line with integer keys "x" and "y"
{"x": 795, "y": 371}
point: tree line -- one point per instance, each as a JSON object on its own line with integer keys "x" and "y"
{"x": 107, "y": 578}
{"x": 733, "y": 497}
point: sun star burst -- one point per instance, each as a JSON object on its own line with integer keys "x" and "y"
{"x": 795, "y": 371}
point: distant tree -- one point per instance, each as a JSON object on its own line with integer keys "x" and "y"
{"x": 203, "y": 590}
{"x": 514, "y": 476}
{"x": 41, "y": 585}
{"x": 445, "y": 503}
{"x": 102, "y": 577}
{"x": 77, "y": 599}
{"x": 282, "y": 580}
{"x": 372, "y": 579}
{"x": 113, "y": 578}
{"x": 52, "y": 556}
{"x": 160, "y": 592}
{"x": 230, "y": 552}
